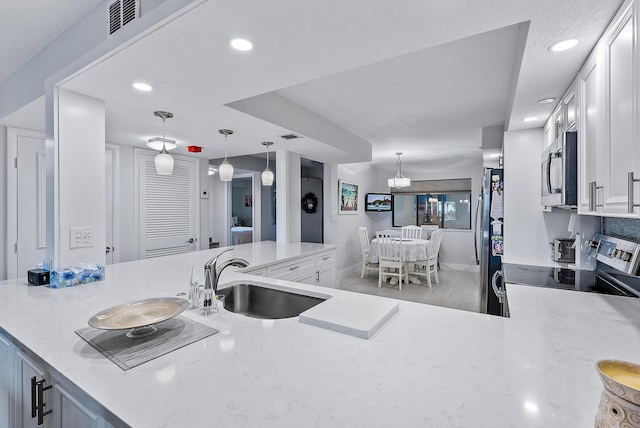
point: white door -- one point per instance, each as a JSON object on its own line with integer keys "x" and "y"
{"x": 168, "y": 207}
{"x": 108, "y": 219}
{"x": 32, "y": 205}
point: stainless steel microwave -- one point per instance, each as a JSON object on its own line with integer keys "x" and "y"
{"x": 559, "y": 172}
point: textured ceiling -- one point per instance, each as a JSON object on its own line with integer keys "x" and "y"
{"x": 418, "y": 77}
{"x": 28, "y": 26}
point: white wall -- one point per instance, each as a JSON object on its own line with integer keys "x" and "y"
{"x": 527, "y": 229}
{"x": 219, "y": 206}
{"x": 457, "y": 249}
{"x": 311, "y": 223}
{"x": 344, "y": 227}
{"x": 80, "y": 187}
{"x": 3, "y": 202}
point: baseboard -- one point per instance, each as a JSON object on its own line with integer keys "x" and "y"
{"x": 472, "y": 267}
{"x": 357, "y": 268}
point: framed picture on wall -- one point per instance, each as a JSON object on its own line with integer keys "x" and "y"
{"x": 347, "y": 198}
{"x": 248, "y": 201}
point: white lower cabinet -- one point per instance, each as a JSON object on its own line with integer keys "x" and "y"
{"x": 5, "y": 383}
{"x": 326, "y": 269}
{"x": 31, "y": 397}
{"x": 32, "y": 400}
{"x": 70, "y": 412}
{"x": 318, "y": 269}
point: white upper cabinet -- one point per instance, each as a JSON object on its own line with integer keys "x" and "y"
{"x": 620, "y": 114}
{"x": 570, "y": 107}
{"x": 608, "y": 121}
{"x": 590, "y": 82}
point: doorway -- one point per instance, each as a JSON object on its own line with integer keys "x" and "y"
{"x": 241, "y": 210}
{"x": 311, "y": 190}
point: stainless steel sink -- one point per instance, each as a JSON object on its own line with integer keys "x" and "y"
{"x": 266, "y": 303}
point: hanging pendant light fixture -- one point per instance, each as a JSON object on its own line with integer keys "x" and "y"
{"x": 399, "y": 180}
{"x": 164, "y": 161}
{"x": 226, "y": 169}
{"x": 267, "y": 174}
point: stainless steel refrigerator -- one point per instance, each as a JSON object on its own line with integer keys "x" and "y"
{"x": 491, "y": 225}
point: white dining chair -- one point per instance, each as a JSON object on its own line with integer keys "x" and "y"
{"x": 430, "y": 266}
{"x": 412, "y": 232}
{"x": 365, "y": 248}
{"x": 389, "y": 259}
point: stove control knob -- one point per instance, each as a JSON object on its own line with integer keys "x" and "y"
{"x": 626, "y": 257}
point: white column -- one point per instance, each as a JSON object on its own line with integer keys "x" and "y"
{"x": 75, "y": 147}
{"x": 287, "y": 197}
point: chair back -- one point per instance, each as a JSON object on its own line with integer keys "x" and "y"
{"x": 412, "y": 232}
{"x": 388, "y": 246}
{"x": 436, "y": 239}
{"x": 364, "y": 239}
{"x": 428, "y": 229}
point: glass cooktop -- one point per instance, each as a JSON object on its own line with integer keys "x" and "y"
{"x": 570, "y": 279}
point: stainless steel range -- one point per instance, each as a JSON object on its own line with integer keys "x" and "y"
{"x": 616, "y": 274}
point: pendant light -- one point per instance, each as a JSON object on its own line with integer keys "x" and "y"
{"x": 399, "y": 180}
{"x": 226, "y": 169}
{"x": 164, "y": 161}
{"x": 267, "y": 174}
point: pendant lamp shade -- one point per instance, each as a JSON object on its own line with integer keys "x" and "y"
{"x": 164, "y": 161}
{"x": 267, "y": 174}
{"x": 399, "y": 180}
{"x": 267, "y": 177}
{"x": 226, "y": 169}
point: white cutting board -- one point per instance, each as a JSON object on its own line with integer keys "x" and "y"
{"x": 359, "y": 315}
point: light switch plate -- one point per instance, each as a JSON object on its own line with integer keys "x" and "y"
{"x": 81, "y": 237}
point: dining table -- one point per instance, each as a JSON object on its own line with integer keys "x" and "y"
{"x": 411, "y": 250}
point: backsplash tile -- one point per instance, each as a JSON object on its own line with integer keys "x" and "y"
{"x": 622, "y": 227}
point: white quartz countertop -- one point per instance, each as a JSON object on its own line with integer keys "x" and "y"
{"x": 427, "y": 366}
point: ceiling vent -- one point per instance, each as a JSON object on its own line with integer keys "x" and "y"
{"x": 291, "y": 136}
{"x": 122, "y": 12}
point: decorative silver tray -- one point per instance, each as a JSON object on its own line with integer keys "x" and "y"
{"x": 139, "y": 316}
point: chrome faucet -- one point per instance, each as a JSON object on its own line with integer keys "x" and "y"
{"x": 212, "y": 276}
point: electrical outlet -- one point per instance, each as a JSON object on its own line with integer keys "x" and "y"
{"x": 81, "y": 237}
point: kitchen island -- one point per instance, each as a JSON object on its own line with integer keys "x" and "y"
{"x": 427, "y": 366}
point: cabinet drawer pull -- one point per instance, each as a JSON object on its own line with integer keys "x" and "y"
{"x": 326, "y": 258}
{"x": 294, "y": 267}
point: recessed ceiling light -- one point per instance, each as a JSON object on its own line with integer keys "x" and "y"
{"x": 142, "y": 86}
{"x": 241, "y": 44}
{"x": 530, "y": 119}
{"x": 546, "y": 100}
{"x": 563, "y": 45}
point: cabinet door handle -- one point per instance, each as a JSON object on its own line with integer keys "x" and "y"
{"x": 630, "y": 202}
{"x": 593, "y": 196}
{"x": 37, "y": 399}
{"x": 34, "y": 404}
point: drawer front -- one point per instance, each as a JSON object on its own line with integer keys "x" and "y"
{"x": 259, "y": 272}
{"x": 306, "y": 275}
{"x": 325, "y": 259}
{"x": 292, "y": 267}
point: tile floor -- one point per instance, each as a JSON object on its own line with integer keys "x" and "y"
{"x": 457, "y": 289}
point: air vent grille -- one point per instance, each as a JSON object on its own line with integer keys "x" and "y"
{"x": 121, "y": 12}
{"x": 290, "y": 136}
